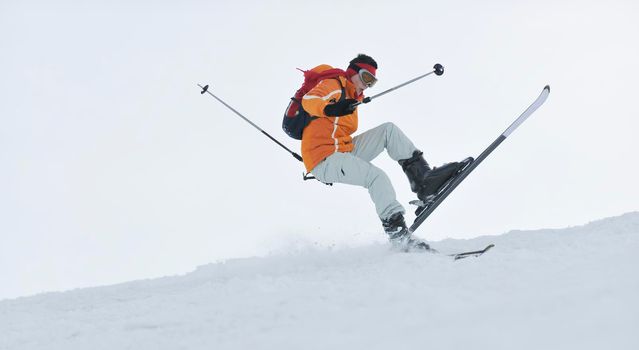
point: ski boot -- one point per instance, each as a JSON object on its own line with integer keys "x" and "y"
{"x": 424, "y": 181}
{"x": 397, "y": 231}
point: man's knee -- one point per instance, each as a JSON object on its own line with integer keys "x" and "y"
{"x": 389, "y": 126}
{"x": 390, "y": 129}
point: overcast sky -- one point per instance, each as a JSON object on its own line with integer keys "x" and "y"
{"x": 113, "y": 167}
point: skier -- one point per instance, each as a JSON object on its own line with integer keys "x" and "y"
{"x": 334, "y": 156}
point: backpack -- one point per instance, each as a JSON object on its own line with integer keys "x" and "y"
{"x": 295, "y": 117}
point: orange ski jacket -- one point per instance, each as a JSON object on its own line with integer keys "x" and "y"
{"x": 326, "y": 135}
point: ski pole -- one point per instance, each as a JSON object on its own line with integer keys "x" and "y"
{"x": 438, "y": 69}
{"x": 205, "y": 89}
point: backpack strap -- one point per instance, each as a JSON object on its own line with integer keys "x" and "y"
{"x": 307, "y": 176}
{"x": 343, "y": 95}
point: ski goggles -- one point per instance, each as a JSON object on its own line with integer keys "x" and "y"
{"x": 367, "y": 77}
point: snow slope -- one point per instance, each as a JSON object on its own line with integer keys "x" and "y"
{"x": 574, "y": 288}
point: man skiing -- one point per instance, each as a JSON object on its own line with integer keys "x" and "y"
{"x": 334, "y": 156}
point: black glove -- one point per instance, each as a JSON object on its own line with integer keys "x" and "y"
{"x": 340, "y": 108}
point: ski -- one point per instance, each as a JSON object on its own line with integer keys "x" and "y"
{"x": 430, "y": 206}
{"x": 455, "y": 256}
{"x": 473, "y": 253}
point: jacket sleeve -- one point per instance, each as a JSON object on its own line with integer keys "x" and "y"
{"x": 325, "y": 92}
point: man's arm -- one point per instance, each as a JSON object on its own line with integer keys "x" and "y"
{"x": 327, "y": 91}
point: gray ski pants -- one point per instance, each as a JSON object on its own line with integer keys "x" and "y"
{"x": 354, "y": 168}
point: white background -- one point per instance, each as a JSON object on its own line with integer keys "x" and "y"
{"x": 113, "y": 166}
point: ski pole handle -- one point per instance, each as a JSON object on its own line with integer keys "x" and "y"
{"x": 438, "y": 69}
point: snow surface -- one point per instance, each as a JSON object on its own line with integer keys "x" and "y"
{"x": 573, "y": 288}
